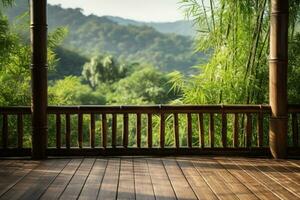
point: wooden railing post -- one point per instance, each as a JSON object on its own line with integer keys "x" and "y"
{"x": 278, "y": 64}
{"x": 39, "y": 77}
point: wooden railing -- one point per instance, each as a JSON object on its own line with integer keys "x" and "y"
{"x": 207, "y": 129}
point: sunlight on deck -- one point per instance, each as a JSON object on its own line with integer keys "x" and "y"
{"x": 150, "y": 178}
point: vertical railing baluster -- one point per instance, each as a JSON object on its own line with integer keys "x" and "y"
{"x": 162, "y": 130}
{"x": 58, "y": 131}
{"x": 295, "y": 130}
{"x": 248, "y": 130}
{"x": 92, "y": 130}
{"x": 4, "y": 131}
{"x": 68, "y": 131}
{"x": 224, "y": 130}
{"x": 260, "y": 128}
{"x": 138, "y": 129}
{"x": 212, "y": 130}
{"x": 201, "y": 130}
{"x": 20, "y": 130}
{"x": 104, "y": 130}
{"x": 189, "y": 130}
{"x": 149, "y": 131}
{"x": 80, "y": 130}
{"x": 125, "y": 130}
{"x": 236, "y": 130}
{"x": 114, "y": 130}
{"x": 176, "y": 130}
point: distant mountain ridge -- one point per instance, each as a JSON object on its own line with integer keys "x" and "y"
{"x": 93, "y": 35}
{"x": 181, "y": 27}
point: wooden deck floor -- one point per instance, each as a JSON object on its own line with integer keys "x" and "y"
{"x": 150, "y": 178}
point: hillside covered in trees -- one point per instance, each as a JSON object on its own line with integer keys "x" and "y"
{"x": 133, "y": 42}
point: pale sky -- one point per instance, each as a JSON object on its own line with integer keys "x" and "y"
{"x": 141, "y": 10}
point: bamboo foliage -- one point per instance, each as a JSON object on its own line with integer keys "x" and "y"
{"x": 234, "y": 34}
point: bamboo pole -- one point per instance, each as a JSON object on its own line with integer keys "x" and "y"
{"x": 39, "y": 67}
{"x": 278, "y": 64}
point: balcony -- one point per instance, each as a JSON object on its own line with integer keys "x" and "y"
{"x": 150, "y": 178}
{"x": 149, "y": 130}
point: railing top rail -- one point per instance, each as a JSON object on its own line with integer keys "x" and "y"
{"x": 149, "y": 109}
{"x": 15, "y": 110}
{"x": 159, "y": 109}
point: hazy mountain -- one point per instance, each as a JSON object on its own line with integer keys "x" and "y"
{"x": 92, "y": 35}
{"x": 178, "y": 27}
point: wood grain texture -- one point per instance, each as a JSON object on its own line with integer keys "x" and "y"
{"x": 150, "y": 178}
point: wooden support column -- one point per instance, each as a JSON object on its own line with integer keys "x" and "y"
{"x": 278, "y": 65}
{"x": 38, "y": 18}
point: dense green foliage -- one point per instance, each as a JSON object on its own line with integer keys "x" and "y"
{"x": 236, "y": 33}
{"x": 96, "y": 61}
{"x": 91, "y": 35}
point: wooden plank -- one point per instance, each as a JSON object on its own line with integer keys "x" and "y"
{"x": 224, "y": 130}
{"x": 263, "y": 179}
{"x": 126, "y": 180}
{"x": 285, "y": 168}
{"x": 138, "y": 130}
{"x": 248, "y": 130}
{"x": 68, "y": 131}
{"x": 104, "y": 131}
{"x": 201, "y": 130}
{"x": 260, "y": 128}
{"x": 149, "y": 130}
{"x": 92, "y": 130}
{"x": 197, "y": 183}
{"x": 161, "y": 183}
{"x": 110, "y": 181}
{"x": 37, "y": 181}
{"x": 216, "y": 183}
{"x": 125, "y": 130}
{"x": 80, "y": 130}
{"x": 58, "y": 131}
{"x": 56, "y": 188}
{"x": 179, "y": 183}
{"x": 211, "y": 130}
{"x": 162, "y": 130}
{"x": 264, "y": 167}
{"x": 236, "y": 131}
{"x": 176, "y": 130}
{"x": 114, "y": 131}
{"x": 4, "y": 131}
{"x": 92, "y": 185}
{"x": 237, "y": 187}
{"x": 259, "y": 190}
{"x": 77, "y": 182}
{"x": 189, "y": 130}
{"x": 20, "y": 130}
{"x": 13, "y": 172}
{"x": 143, "y": 184}
{"x": 295, "y": 130}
